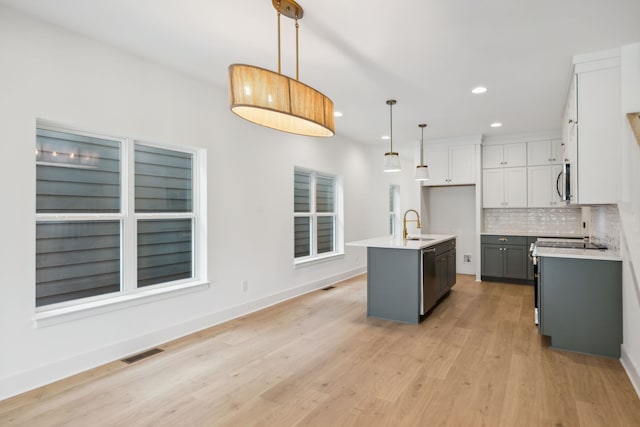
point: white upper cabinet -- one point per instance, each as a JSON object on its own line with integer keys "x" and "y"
{"x": 544, "y": 152}
{"x": 504, "y": 188}
{"x": 504, "y": 155}
{"x": 591, "y": 128}
{"x": 437, "y": 159}
{"x": 451, "y": 165}
{"x": 543, "y": 184}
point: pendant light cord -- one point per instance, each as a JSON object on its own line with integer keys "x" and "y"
{"x": 422, "y": 147}
{"x": 391, "y": 126}
{"x": 297, "y": 26}
{"x": 279, "y": 68}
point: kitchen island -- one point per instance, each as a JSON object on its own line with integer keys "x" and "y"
{"x": 407, "y": 277}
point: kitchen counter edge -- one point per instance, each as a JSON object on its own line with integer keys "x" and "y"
{"x": 601, "y": 255}
{"x": 390, "y": 242}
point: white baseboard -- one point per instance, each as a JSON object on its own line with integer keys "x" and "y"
{"x": 632, "y": 371}
{"x": 28, "y": 380}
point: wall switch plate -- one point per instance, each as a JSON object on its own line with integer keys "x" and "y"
{"x": 467, "y": 258}
{"x": 244, "y": 285}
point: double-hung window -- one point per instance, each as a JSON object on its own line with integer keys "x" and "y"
{"x": 113, "y": 216}
{"x": 317, "y": 230}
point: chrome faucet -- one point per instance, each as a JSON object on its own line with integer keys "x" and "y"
{"x": 404, "y": 222}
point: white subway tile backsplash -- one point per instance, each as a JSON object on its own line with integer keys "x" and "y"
{"x": 605, "y": 226}
{"x": 549, "y": 222}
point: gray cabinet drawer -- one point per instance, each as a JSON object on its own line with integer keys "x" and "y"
{"x": 497, "y": 239}
{"x": 445, "y": 246}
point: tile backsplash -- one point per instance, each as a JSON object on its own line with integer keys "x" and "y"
{"x": 605, "y": 226}
{"x": 566, "y": 221}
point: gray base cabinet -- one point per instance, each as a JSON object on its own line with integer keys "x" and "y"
{"x": 581, "y": 304}
{"x": 398, "y": 278}
{"x": 393, "y": 284}
{"x": 505, "y": 257}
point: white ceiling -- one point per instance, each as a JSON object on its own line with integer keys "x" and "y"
{"x": 427, "y": 54}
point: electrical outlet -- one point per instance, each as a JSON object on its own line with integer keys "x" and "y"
{"x": 467, "y": 258}
{"x": 244, "y": 285}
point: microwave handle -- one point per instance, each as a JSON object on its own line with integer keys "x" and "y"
{"x": 558, "y": 185}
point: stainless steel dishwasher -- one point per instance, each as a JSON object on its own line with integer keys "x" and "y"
{"x": 429, "y": 289}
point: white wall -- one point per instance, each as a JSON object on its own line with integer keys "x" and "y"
{"x": 50, "y": 73}
{"x": 452, "y": 210}
{"x": 629, "y": 208}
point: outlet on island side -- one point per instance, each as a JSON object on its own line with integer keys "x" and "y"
{"x": 244, "y": 285}
{"x": 467, "y": 258}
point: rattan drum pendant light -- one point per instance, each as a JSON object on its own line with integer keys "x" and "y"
{"x": 422, "y": 170}
{"x": 277, "y": 101}
{"x": 391, "y": 158}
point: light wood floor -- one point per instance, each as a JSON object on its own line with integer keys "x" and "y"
{"x": 477, "y": 360}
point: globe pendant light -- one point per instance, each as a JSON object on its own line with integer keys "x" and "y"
{"x": 391, "y": 158}
{"x": 277, "y": 101}
{"x": 422, "y": 170}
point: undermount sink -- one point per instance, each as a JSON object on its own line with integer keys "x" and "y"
{"x": 424, "y": 239}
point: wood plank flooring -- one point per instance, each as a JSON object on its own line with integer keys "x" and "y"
{"x": 317, "y": 360}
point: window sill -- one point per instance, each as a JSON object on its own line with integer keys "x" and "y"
{"x": 317, "y": 259}
{"x": 66, "y": 314}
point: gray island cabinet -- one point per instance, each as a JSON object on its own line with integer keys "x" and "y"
{"x": 406, "y": 278}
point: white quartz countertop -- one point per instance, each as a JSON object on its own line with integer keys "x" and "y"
{"x": 533, "y": 234}
{"x": 390, "y": 242}
{"x": 595, "y": 254}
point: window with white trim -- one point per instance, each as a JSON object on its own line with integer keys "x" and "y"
{"x": 394, "y": 208}
{"x": 316, "y": 215}
{"x": 113, "y": 216}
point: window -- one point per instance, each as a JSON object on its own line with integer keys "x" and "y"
{"x": 104, "y": 227}
{"x": 394, "y": 208}
{"x": 316, "y": 207}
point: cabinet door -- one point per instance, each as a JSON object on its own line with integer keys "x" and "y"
{"x": 492, "y": 260}
{"x": 515, "y": 187}
{"x": 557, "y": 151}
{"x": 492, "y": 156}
{"x": 539, "y": 153}
{"x": 515, "y": 261}
{"x": 515, "y": 155}
{"x": 493, "y": 188}
{"x": 556, "y": 199}
{"x": 598, "y": 136}
{"x": 451, "y": 269}
{"x": 540, "y": 186}
{"x": 462, "y": 164}
{"x": 437, "y": 158}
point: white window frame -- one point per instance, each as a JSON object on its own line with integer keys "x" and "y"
{"x": 130, "y": 294}
{"x": 337, "y": 213}
{"x": 394, "y": 213}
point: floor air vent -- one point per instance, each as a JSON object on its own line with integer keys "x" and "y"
{"x": 328, "y": 288}
{"x": 142, "y": 355}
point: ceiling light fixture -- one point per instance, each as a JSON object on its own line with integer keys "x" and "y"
{"x": 277, "y": 101}
{"x": 478, "y": 90}
{"x": 391, "y": 158}
{"x": 496, "y": 124}
{"x": 422, "y": 170}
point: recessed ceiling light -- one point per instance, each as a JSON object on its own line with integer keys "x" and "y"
{"x": 478, "y": 90}
{"x": 337, "y": 114}
{"x": 496, "y": 124}
{"x": 384, "y": 137}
